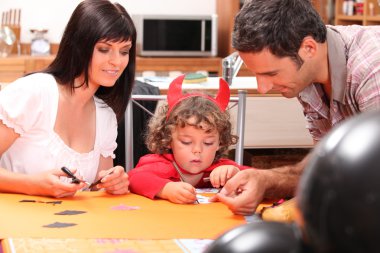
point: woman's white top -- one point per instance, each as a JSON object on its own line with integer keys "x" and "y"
{"x": 29, "y": 106}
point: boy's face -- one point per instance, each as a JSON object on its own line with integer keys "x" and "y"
{"x": 193, "y": 148}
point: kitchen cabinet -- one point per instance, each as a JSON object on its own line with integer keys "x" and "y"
{"x": 14, "y": 66}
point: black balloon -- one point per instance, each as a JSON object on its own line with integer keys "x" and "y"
{"x": 339, "y": 193}
{"x": 263, "y": 237}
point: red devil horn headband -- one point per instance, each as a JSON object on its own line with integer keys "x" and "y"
{"x": 175, "y": 94}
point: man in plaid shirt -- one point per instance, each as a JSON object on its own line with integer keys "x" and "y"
{"x": 334, "y": 71}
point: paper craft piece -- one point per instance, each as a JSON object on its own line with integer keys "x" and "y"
{"x": 105, "y": 245}
{"x": 59, "y": 225}
{"x": 123, "y": 207}
{"x": 136, "y": 246}
{"x": 207, "y": 190}
{"x": 70, "y": 212}
{"x": 122, "y": 251}
{"x": 202, "y": 199}
{"x": 193, "y": 245}
{"x": 39, "y": 201}
{"x": 53, "y": 202}
{"x": 28, "y": 200}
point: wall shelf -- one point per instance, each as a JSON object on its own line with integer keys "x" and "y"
{"x": 184, "y": 64}
{"x": 367, "y": 18}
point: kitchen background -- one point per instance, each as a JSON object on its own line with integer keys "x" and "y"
{"x": 54, "y": 14}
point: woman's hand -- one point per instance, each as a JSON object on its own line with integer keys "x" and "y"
{"x": 48, "y": 183}
{"x": 114, "y": 180}
{"x": 178, "y": 192}
{"x": 220, "y": 175}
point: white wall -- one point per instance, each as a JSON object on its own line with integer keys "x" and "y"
{"x": 54, "y": 14}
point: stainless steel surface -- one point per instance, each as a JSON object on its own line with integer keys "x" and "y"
{"x": 129, "y": 136}
{"x": 240, "y": 126}
{"x": 7, "y": 40}
{"x": 231, "y": 66}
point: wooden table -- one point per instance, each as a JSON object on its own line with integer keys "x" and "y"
{"x": 109, "y": 216}
{"x": 109, "y": 219}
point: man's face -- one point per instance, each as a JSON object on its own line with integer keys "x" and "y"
{"x": 277, "y": 74}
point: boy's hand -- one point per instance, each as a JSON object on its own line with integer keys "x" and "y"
{"x": 220, "y": 175}
{"x": 178, "y": 192}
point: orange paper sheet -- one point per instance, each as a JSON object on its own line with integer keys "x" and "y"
{"x": 153, "y": 219}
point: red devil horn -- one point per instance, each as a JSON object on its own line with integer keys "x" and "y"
{"x": 175, "y": 90}
{"x": 223, "y": 96}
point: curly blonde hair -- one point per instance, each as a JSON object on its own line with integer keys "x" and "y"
{"x": 202, "y": 111}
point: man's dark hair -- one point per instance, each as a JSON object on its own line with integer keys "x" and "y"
{"x": 277, "y": 25}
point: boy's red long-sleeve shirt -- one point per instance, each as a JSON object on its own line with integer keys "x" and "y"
{"x": 154, "y": 171}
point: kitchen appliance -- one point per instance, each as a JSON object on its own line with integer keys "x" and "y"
{"x": 176, "y": 35}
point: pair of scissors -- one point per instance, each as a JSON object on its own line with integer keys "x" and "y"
{"x": 76, "y": 180}
{"x": 181, "y": 176}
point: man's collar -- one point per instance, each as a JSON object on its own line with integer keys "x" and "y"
{"x": 337, "y": 63}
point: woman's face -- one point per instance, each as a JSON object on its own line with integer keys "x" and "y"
{"x": 109, "y": 59}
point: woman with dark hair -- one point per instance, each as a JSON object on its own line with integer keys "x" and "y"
{"x": 67, "y": 114}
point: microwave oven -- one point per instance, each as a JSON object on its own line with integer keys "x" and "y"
{"x": 176, "y": 35}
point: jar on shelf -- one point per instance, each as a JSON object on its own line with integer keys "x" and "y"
{"x": 39, "y": 45}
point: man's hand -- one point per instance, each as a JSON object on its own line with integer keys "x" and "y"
{"x": 247, "y": 189}
{"x": 243, "y": 192}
